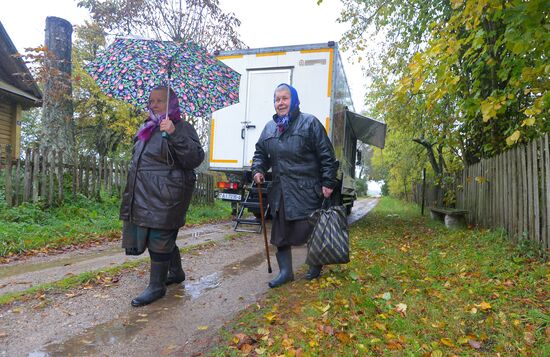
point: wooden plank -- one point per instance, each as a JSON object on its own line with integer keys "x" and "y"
{"x": 530, "y": 194}
{"x": 36, "y": 169}
{"x": 543, "y": 203}
{"x": 536, "y": 193}
{"x": 17, "y": 180}
{"x": 60, "y": 180}
{"x": 547, "y": 182}
{"x": 44, "y": 173}
{"x": 27, "y": 178}
{"x": 525, "y": 187}
{"x": 51, "y": 170}
{"x": 515, "y": 208}
{"x": 498, "y": 213}
{"x": 8, "y": 178}
{"x": 521, "y": 194}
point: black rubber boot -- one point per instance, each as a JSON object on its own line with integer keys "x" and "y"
{"x": 314, "y": 272}
{"x": 176, "y": 274}
{"x": 157, "y": 284}
{"x": 284, "y": 259}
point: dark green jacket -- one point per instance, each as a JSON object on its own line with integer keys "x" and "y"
{"x": 302, "y": 161}
{"x": 161, "y": 178}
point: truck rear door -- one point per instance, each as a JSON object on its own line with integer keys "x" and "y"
{"x": 259, "y": 105}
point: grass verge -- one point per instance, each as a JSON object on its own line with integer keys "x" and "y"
{"x": 413, "y": 288}
{"x": 31, "y": 227}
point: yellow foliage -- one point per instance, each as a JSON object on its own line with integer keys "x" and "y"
{"x": 512, "y": 139}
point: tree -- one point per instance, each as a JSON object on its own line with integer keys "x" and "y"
{"x": 104, "y": 125}
{"x": 464, "y": 79}
{"x": 199, "y": 21}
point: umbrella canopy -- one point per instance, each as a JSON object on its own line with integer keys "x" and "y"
{"x": 129, "y": 69}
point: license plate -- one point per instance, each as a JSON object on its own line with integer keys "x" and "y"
{"x": 229, "y": 196}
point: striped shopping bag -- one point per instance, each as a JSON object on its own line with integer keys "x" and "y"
{"x": 329, "y": 241}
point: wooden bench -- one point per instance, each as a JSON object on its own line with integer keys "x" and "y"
{"x": 453, "y": 217}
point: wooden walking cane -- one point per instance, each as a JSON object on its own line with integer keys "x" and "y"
{"x": 263, "y": 228}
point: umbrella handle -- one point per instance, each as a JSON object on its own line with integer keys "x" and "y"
{"x": 165, "y": 134}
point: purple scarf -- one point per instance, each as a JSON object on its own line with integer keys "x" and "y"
{"x": 153, "y": 121}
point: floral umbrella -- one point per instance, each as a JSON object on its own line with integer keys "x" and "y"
{"x": 129, "y": 69}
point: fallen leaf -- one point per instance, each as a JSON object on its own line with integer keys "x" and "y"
{"x": 484, "y": 306}
{"x": 270, "y": 316}
{"x": 475, "y": 344}
{"x": 202, "y": 328}
{"x": 343, "y": 337}
{"x": 246, "y": 348}
{"x": 447, "y": 342}
{"x": 401, "y": 308}
{"x": 529, "y": 338}
{"x": 142, "y": 320}
{"x": 436, "y": 353}
{"x": 168, "y": 350}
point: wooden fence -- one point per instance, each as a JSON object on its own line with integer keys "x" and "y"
{"x": 41, "y": 175}
{"x": 510, "y": 191}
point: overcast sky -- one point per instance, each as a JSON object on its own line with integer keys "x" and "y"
{"x": 265, "y": 23}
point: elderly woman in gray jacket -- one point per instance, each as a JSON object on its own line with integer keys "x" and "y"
{"x": 295, "y": 146}
{"x": 158, "y": 191}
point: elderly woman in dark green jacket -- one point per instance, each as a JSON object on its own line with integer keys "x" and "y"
{"x": 295, "y": 146}
{"x": 158, "y": 191}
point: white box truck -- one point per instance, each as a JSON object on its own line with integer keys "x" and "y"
{"x": 316, "y": 71}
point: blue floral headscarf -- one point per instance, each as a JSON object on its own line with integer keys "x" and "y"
{"x": 284, "y": 121}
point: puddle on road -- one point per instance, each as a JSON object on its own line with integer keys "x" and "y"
{"x": 125, "y": 328}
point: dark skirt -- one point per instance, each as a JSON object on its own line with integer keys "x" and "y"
{"x": 135, "y": 239}
{"x": 285, "y": 232}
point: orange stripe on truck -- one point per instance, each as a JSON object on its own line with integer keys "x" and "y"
{"x": 212, "y": 148}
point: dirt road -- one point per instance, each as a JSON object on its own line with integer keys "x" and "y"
{"x": 222, "y": 279}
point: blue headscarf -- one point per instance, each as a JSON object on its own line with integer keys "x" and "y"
{"x": 284, "y": 121}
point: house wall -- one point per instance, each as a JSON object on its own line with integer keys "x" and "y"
{"x": 10, "y": 129}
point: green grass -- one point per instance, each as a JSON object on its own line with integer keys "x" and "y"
{"x": 31, "y": 227}
{"x": 412, "y": 288}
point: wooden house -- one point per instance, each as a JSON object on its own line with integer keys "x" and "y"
{"x": 18, "y": 92}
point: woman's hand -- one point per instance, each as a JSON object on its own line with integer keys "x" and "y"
{"x": 167, "y": 126}
{"x": 259, "y": 177}
{"x": 327, "y": 191}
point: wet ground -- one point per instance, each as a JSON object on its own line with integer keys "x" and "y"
{"x": 222, "y": 279}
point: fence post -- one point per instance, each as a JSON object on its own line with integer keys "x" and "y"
{"x": 9, "y": 193}
{"x": 51, "y": 163}
{"x": 17, "y": 179}
{"x": 36, "y": 169}
{"x": 60, "y": 179}
{"x": 43, "y": 173}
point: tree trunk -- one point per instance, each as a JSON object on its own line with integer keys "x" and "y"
{"x": 58, "y": 124}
